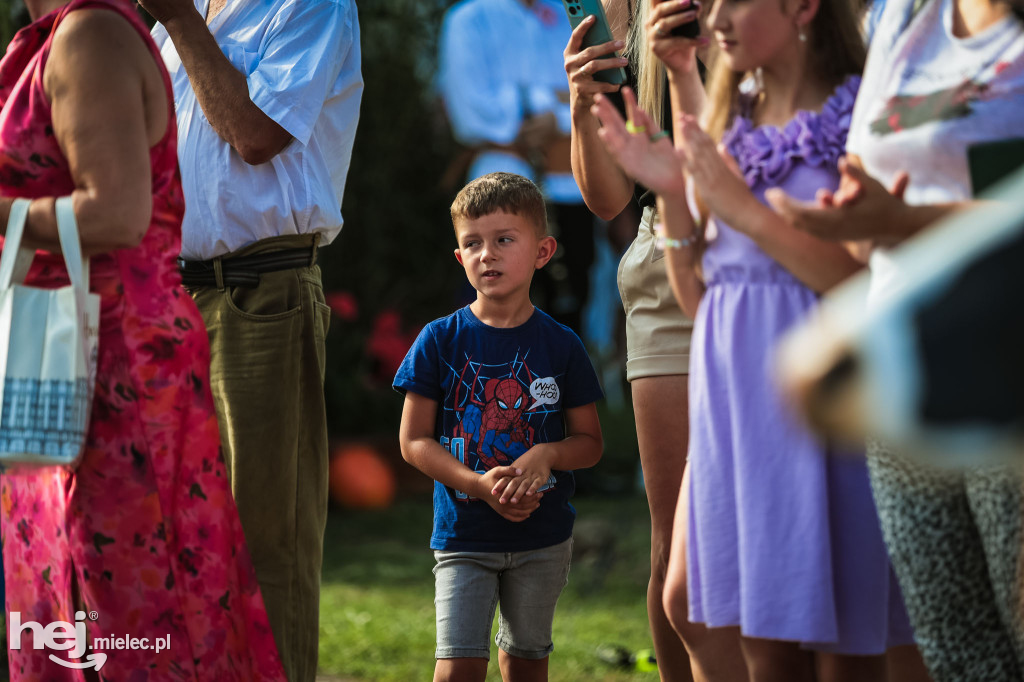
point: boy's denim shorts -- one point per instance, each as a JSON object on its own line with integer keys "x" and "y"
{"x": 468, "y": 585}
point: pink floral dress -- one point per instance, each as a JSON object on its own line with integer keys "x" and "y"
{"x": 144, "y": 535}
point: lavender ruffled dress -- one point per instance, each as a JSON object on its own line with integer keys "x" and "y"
{"x": 783, "y": 540}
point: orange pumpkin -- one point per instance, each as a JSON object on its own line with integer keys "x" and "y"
{"x": 360, "y": 478}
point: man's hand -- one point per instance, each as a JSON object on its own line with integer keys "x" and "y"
{"x": 536, "y": 132}
{"x": 167, "y": 11}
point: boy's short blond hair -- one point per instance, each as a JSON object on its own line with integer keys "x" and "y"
{"x": 501, "y": 193}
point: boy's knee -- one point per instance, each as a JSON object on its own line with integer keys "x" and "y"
{"x": 460, "y": 670}
{"x": 518, "y": 669}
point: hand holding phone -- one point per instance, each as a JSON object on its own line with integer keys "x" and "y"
{"x": 676, "y": 21}
{"x": 673, "y": 32}
{"x": 598, "y": 34}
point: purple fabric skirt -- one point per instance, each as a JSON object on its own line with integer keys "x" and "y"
{"x": 783, "y": 540}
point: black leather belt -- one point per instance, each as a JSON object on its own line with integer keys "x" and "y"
{"x": 243, "y": 271}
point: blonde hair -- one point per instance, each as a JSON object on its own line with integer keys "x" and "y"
{"x": 501, "y": 193}
{"x": 650, "y": 72}
{"x": 835, "y": 50}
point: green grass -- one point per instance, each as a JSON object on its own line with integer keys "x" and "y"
{"x": 377, "y": 610}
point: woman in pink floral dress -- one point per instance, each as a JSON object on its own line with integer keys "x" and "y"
{"x": 144, "y": 534}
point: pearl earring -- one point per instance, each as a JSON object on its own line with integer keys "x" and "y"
{"x": 802, "y": 36}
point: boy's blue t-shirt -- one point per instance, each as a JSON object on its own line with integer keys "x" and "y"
{"x": 499, "y": 391}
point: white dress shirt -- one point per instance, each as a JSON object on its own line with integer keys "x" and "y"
{"x": 499, "y": 62}
{"x": 301, "y": 59}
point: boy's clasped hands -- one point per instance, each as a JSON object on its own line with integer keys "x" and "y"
{"x": 514, "y": 491}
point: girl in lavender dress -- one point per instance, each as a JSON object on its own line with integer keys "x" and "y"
{"x": 782, "y": 541}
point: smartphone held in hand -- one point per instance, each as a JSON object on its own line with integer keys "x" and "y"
{"x": 599, "y": 33}
{"x": 690, "y": 29}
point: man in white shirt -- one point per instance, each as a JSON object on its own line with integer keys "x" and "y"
{"x": 505, "y": 91}
{"x": 267, "y": 98}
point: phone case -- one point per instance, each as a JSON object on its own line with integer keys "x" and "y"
{"x": 690, "y": 29}
{"x": 599, "y": 33}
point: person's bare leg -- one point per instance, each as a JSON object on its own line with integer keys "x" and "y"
{"x": 515, "y": 669}
{"x": 662, "y": 429}
{"x": 715, "y": 654}
{"x": 838, "y": 668}
{"x": 905, "y": 664}
{"x": 460, "y": 670}
{"x": 770, "y": 660}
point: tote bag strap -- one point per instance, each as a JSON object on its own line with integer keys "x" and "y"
{"x": 67, "y": 230}
{"x": 15, "y": 260}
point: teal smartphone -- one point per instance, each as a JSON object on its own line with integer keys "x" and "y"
{"x": 990, "y": 162}
{"x": 599, "y": 33}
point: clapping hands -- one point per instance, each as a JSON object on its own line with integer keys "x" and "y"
{"x": 861, "y": 208}
{"x": 643, "y": 151}
{"x": 714, "y": 172}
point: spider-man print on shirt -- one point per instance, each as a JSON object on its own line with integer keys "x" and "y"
{"x": 494, "y": 409}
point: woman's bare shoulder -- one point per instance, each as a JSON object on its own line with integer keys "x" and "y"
{"x": 98, "y": 33}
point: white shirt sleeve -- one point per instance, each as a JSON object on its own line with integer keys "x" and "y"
{"x": 482, "y": 104}
{"x": 301, "y": 56}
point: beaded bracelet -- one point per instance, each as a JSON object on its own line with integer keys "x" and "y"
{"x": 664, "y": 242}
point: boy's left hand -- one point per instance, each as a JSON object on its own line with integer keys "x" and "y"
{"x": 536, "y": 470}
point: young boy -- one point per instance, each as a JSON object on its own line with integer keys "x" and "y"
{"x": 499, "y": 409}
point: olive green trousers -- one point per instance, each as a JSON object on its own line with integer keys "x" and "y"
{"x": 267, "y": 377}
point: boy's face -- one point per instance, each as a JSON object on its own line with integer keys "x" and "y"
{"x": 500, "y": 252}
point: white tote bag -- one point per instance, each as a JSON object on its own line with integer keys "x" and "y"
{"x": 48, "y": 350}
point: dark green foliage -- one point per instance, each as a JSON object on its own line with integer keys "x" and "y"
{"x": 395, "y": 251}
{"x": 13, "y": 16}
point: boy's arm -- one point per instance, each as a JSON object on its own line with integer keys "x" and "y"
{"x": 580, "y": 449}
{"x": 421, "y": 449}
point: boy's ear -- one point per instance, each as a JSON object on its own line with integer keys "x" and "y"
{"x": 546, "y": 248}
{"x": 458, "y": 256}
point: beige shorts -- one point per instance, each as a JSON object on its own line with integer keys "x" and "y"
{"x": 657, "y": 332}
